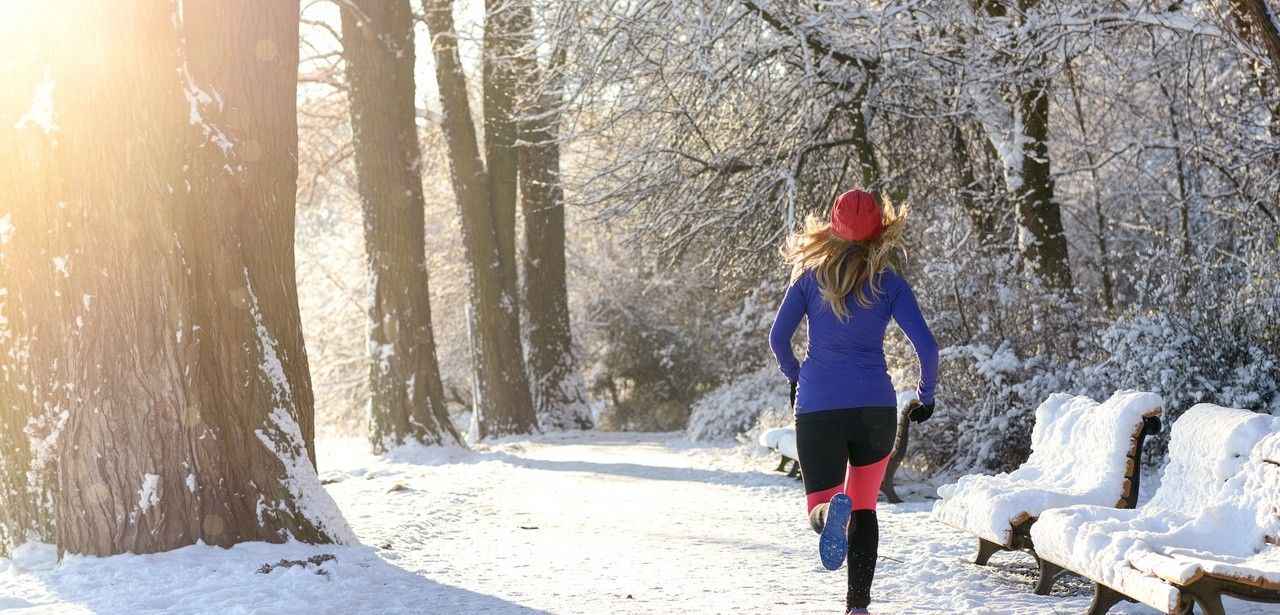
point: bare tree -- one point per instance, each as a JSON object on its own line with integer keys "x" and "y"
{"x": 498, "y": 79}
{"x": 502, "y": 401}
{"x": 559, "y": 393}
{"x": 824, "y": 109}
{"x": 1021, "y": 135}
{"x": 406, "y": 393}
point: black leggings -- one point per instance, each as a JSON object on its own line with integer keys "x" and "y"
{"x": 847, "y": 450}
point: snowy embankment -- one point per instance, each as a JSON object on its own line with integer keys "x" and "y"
{"x": 578, "y": 523}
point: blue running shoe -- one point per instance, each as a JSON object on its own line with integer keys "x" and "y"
{"x": 833, "y": 545}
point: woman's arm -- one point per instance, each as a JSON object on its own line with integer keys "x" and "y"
{"x": 793, "y": 308}
{"x": 906, "y": 312}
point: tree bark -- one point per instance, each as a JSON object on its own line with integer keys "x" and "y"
{"x": 1044, "y": 242}
{"x": 169, "y": 341}
{"x": 248, "y": 53}
{"x": 21, "y": 513}
{"x": 502, "y": 403}
{"x": 406, "y": 392}
{"x": 24, "y": 511}
{"x": 559, "y": 393}
{"x": 1257, "y": 23}
{"x": 502, "y": 41}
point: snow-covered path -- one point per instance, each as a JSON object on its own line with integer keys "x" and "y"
{"x": 648, "y": 523}
{"x": 578, "y": 523}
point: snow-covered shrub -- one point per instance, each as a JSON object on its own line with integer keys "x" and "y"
{"x": 648, "y": 367}
{"x": 1191, "y": 357}
{"x": 1007, "y": 344}
{"x": 744, "y": 331}
{"x": 655, "y": 338}
{"x": 738, "y": 405}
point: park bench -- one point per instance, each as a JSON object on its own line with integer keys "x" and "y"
{"x": 783, "y": 441}
{"x": 1210, "y": 529}
{"x": 1082, "y": 452}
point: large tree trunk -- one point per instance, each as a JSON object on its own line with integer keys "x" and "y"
{"x": 168, "y": 343}
{"x": 503, "y": 37}
{"x": 24, "y": 143}
{"x": 559, "y": 393}
{"x": 406, "y": 394}
{"x": 502, "y": 403}
{"x": 24, "y": 511}
{"x": 21, "y": 513}
{"x": 247, "y": 53}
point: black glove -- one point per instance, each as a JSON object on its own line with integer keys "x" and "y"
{"x": 920, "y": 413}
{"x": 793, "y": 393}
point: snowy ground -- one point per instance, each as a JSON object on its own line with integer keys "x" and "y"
{"x": 582, "y": 523}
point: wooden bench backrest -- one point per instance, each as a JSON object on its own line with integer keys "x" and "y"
{"x": 1208, "y": 446}
{"x": 1074, "y": 437}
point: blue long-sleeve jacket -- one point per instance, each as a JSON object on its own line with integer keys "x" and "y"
{"x": 846, "y": 367}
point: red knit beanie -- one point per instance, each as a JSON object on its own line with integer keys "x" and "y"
{"x": 856, "y": 216}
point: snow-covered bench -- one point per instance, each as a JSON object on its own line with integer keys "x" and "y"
{"x": 1211, "y": 528}
{"x": 1082, "y": 452}
{"x": 783, "y": 441}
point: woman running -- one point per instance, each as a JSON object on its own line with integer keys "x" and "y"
{"x": 845, "y": 405}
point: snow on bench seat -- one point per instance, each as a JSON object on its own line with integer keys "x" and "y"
{"x": 782, "y": 440}
{"x": 1082, "y": 452}
{"x": 1215, "y": 517}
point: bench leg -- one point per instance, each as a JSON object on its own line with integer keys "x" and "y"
{"x": 1103, "y": 599}
{"x": 782, "y": 465}
{"x": 986, "y": 549}
{"x": 795, "y": 470}
{"x": 1049, "y": 573}
{"x": 1186, "y": 605}
{"x": 900, "y": 441}
{"x": 890, "y": 494}
{"x": 1210, "y": 602}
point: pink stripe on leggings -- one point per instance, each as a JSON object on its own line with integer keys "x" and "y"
{"x": 821, "y": 497}
{"x": 862, "y": 483}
